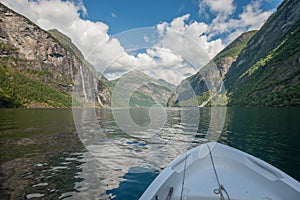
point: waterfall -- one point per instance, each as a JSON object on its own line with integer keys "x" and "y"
{"x": 221, "y": 87}
{"x": 83, "y": 84}
{"x": 71, "y": 72}
{"x": 99, "y": 101}
{"x": 97, "y": 93}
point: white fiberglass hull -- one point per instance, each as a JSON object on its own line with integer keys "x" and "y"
{"x": 191, "y": 176}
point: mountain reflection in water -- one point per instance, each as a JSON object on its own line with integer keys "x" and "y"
{"x": 42, "y": 155}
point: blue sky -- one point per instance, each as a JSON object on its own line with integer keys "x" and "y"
{"x": 122, "y": 15}
{"x": 134, "y": 13}
{"x": 189, "y": 32}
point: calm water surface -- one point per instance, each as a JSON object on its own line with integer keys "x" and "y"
{"x": 43, "y": 157}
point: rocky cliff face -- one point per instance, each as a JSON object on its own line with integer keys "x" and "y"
{"x": 214, "y": 72}
{"x": 31, "y": 55}
{"x": 102, "y": 94}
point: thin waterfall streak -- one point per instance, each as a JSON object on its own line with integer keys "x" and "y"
{"x": 83, "y": 84}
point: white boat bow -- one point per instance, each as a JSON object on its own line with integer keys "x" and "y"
{"x": 201, "y": 172}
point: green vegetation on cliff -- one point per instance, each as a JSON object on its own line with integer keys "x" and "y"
{"x": 267, "y": 73}
{"x": 273, "y": 80}
{"x": 18, "y": 90}
{"x": 42, "y": 68}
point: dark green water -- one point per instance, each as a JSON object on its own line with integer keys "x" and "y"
{"x": 42, "y": 155}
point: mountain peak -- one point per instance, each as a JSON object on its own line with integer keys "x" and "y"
{"x": 135, "y": 72}
{"x": 240, "y": 39}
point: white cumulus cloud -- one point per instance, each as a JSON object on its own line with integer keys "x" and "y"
{"x": 189, "y": 40}
{"x": 252, "y": 18}
{"x": 219, "y": 6}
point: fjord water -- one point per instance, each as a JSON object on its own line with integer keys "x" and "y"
{"x": 42, "y": 155}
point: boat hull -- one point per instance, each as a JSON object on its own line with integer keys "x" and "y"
{"x": 192, "y": 176}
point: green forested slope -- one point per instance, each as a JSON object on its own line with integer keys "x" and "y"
{"x": 267, "y": 73}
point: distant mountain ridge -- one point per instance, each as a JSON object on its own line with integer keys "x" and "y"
{"x": 39, "y": 68}
{"x": 146, "y": 91}
{"x": 259, "y": 68}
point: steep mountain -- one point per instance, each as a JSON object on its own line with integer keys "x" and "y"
{"x": 42, "y": 69}
{"x": 267, "y": 72}
{"x": 258, "y": 69}
{"x": 103, "y": 97}
{"x": 215, "y": 69}
{"x": 67, "y": 43}
{"x": 136, "y": 89}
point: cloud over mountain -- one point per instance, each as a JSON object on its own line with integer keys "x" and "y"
{"x": 168, "y": 58}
